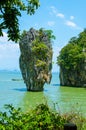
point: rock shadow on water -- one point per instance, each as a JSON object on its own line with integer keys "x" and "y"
{"x": 25, "y": 90}
{"x": 20, "y": 89}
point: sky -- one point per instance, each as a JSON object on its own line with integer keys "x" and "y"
{"x": 66, "y": 18}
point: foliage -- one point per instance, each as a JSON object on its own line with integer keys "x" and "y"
{"x": 39, "y": 49}
{"x": 72, "y": 55}
{"x": 10, "y": 10}
{"x": 48, "y": 33}
{"x": 40, "y": 53}
{"x": 41, "y": 118}
{"x": 36, "y": 58}
{"x": 42, "y": 50}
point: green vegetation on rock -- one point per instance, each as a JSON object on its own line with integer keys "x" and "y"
{"x": 72, "y": 62}
{"x": 36, "y": 58}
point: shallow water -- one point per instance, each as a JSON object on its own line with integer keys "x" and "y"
{"x": 63, "y": 99}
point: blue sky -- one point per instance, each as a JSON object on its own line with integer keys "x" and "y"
{"x": 66, "y": 19}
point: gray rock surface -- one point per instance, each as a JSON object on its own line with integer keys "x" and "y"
{"x": 74, "y": 77}
{"x": 34, "y": 76}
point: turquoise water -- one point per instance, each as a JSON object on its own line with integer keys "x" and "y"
{"x": 63, "y": 99}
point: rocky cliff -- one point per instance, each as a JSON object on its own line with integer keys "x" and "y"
{"x": 35, "y": 59}
{"x": 72, "y": 62}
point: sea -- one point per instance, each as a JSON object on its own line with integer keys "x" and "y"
{"x": 62, "y": 99}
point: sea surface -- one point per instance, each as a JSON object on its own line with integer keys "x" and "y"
{"x": 62, "y": 99}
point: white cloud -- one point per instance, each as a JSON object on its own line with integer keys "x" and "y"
{"x": 51, "y": 23}
{"x": 71, "y": 24}
{"x": 4, "y": 39}
{"x": 60, "y": 15}
{"x": 71, "y": 17}
{"x": 53, "y": 10}
{"x": 9, "y": 56}
{"x": 56, "y": 13}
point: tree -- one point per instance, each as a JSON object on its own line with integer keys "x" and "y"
{"x": 10, "y": 10}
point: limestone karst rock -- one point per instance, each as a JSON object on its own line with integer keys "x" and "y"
{"x": 72, "y": 62}
{"x": 35, "y": 59}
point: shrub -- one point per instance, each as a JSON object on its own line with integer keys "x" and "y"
{"x": 41, "y": 118}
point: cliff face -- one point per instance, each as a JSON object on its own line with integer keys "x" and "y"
{"x": 35, "y": 59}
{"x": 72, "y": 62}
{"x": 73, "y": 77}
